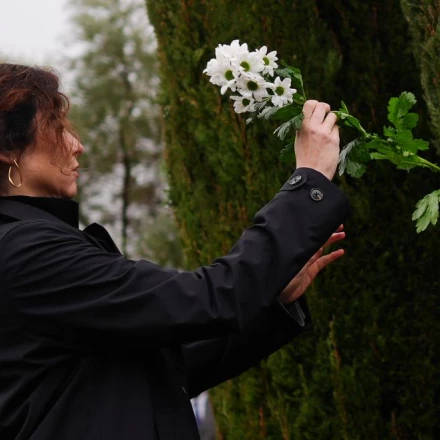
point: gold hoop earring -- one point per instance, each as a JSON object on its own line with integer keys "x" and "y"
{"x": 10, "y": 177}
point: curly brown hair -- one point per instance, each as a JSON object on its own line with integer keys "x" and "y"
{"x": 31, "y": 105}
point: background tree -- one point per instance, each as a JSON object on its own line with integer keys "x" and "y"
{"x": 371, "y": 368}
{"x": 423, "y": 18}
{"x": 115, "y": 112}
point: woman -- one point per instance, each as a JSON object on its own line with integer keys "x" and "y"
{"x": 95, "y": 346}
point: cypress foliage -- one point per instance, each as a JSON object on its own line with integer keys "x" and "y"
{"x": 369, "y": 370}
{"x": 423, "y": 17}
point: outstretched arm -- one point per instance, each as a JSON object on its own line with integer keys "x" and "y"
{"x": 211, "y": 362}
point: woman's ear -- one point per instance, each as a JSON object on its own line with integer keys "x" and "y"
{"x": 6, "y": 159}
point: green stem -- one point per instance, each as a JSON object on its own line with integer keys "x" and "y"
{"x": 299, "y": 101}
{"x": 427, "y": 164}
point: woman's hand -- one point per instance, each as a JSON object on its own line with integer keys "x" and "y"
{"x": 317, "y": 142}
{"x": 302, "y": 281}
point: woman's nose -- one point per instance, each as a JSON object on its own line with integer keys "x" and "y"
{"x": 79, "y": 149}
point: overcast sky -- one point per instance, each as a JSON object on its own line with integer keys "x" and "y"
{"x": 32, "y": 30}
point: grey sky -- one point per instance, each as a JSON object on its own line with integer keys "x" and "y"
{"x": 32, "y": 31}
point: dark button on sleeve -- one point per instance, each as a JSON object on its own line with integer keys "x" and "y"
{"x": 316, "y": 194}
{"x": 296, "y": 180}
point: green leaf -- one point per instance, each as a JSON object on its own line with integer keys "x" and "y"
{"x": 360, "y": 153}
{"x": 252, "y": 118}
{"x": 401, "y": 161}
{"x": 405, "y": 141}
{"x": 356, "y": 169}
{"x": 389, "y": 132}
{"x": 298, "y": 120}
{"x": 293, "y": 124}
{"x": 294, "y": 74}
{"x": 280, "y": 113}
{"x": 375, "y": 144}
{"x": 284, "y": 129}
{"x": 378, "y": 156}
{"x": 343, "y": 155}
{"x": 407, "y": 163}
{"x": 399, "y": 107}
{"x": 353, "y": 157}
{"x": 410, "y": 121}
{"x": 259, "y": 106}
{"x": 341, "y": 115}
{"x": 287, "y": 154}
{"x": 344, "y": 108}
{"x": 352, "y": 122}
{"x": 420, "y": 145}
{"x": 268, "y": 112}
{"x": 427, "y": 211}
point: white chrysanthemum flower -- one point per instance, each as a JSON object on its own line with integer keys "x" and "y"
{"x": 249, "y": 62}
{"x": 223, "y": 74}
{"x": 268, "y": 60}
{"x": 233, "y": 50}
{"x": 253, "y": 85}
{"x": 283, "y": 94}
{"x": 243, "y": 104}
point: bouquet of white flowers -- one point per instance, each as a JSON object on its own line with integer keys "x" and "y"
{"x": 249, "y": 74}
{"x": 265, "y": 90}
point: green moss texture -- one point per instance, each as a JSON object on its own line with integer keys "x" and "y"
{"x": 370, "y": 370}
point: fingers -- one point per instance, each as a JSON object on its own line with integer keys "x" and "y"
{"x": 337, "y": 236}
{"x": 330, "y": 121}
{"x": 317, "y": 146}
{"x": 324, "y": 261}
{"x": 335, "y": 132}
{"x": 308, "y": 109}
{"x": 314, "y": 258}
{"x": 319, "y": 113}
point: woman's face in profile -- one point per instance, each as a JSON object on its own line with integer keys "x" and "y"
{"x": 50, "y": 173}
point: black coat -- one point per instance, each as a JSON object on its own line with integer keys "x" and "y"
{"x": 97, "y": 347}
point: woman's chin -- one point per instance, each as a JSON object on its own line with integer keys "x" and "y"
{"x": 70, "y": 193}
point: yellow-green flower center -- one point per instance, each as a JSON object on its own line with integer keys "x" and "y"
{"x": 229, "y": 75}
{"x": 252, "y": 85}
{"x": 246, "y": 66}
{"x": 279, "y": 91}
{"x": 246, "y": 102}
{"x": 266, "y": 61}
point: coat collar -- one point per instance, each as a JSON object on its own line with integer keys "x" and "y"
{"x": 63, "y": 211}
{"x": 45, "y": 208}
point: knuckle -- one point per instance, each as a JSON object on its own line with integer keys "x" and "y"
{"x": 311, "y": 103}
{"x": 324, "y": 106}
{"x": 314, "y": 130}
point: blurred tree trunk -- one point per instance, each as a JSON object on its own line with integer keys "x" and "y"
{"x": 117, "y": 117}
{"x": 370, "y": 368}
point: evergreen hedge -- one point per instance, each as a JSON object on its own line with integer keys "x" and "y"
{"x": 370, "y": 370}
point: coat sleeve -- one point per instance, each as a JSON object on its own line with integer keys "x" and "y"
{"x": 63, "y": 285}
{"x": 211, "y": 362}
